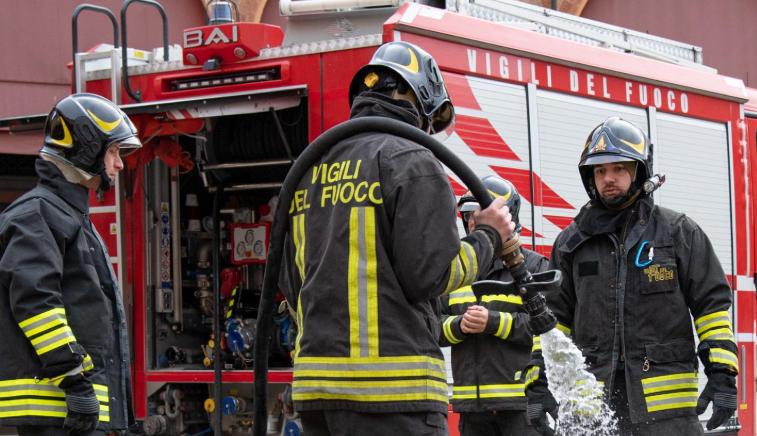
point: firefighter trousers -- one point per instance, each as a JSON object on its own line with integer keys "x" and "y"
{"x": 349, "y": 423}
{"x": 683, "y": 425}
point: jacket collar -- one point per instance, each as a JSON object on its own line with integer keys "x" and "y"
{"x": 52, "y": 179}
{"x": 375, "y": 104}
{"x": 580, "y": 231}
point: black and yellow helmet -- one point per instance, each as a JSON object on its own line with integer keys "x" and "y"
{"x": 81, "y": 127}
{"x": 497, "y": 187}
{"x": 615, "y": 140}
{"x": 416, "y": 69}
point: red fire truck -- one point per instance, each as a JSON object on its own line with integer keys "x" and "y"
{"x": 238, "y": 102}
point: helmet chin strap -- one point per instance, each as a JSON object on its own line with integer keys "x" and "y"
{"x": 104, "y": 185}
{"x": 623, "y": 201}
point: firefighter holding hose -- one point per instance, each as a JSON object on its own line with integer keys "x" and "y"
{"x": 372, "y": 244}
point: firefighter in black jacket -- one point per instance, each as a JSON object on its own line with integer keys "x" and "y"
{"x": 373, "y": 245}
{"x": 634, "y": 276}
{"x": 490, "y": 339}
{"x": 65, "y": 352}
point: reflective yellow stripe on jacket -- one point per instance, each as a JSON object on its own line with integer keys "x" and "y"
{"x": 463, "y": 268}
{"x": 717, "y": 326}
{"x": 298, "y": 238}
{"x": 48, "y": 330}
{"x": 505, "y": 325}
{"x": 447, "y": 330}
{"x": 362, "y": 283}
{"x": 30, "y": 397}
{"x": 370, "y": 379}
{"x": 673, "y": 391}
{"x": 488, "y": 391}
{"x": 462, "y": 296}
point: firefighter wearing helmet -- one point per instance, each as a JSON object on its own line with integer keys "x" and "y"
{"x": 65, "y": 351}
{"x": 370, "y": 252}
{"x": 645, "y": 272}
{"x": 489, "y": 335}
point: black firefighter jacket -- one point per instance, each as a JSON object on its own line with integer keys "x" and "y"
{"x": 60, "y": 308}
{"x": 487, "y": 367}
{"x": 373, "y": 244}
{"x": 628, "y": 303}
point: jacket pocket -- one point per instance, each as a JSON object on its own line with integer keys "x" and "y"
{"x": 659, "y": 276}
{"x": 675, "y": 351}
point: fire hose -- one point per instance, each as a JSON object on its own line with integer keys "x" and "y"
{"x": 527, "y": 286}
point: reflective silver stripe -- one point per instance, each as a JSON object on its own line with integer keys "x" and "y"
{"x": 377, "y": 367}
{"x": 470, "y": 262}
{"x": 720, "y": 318}
{"x": 505, "y": 325}
{"x": 39, "y": 389}
{"x": 370, "y": 390}
{"x": 29, "y": 406}
{"x": 685, "y": 380}
{"x": 489, "y": 391}
{"x": 52, "y": 319}
{"x": 359, "y": 390}
{"x": 447, "y": 329}
{"x": 455, "y": 274}
{"x": 537, "y": 344}
{"x": 461, "y": 296}
{"x": 723, "y": 334}
{"x": 719, "y": 355}
{"x": 54, "y": 339}
{"x": 531, "y": 375}
{"x": 677, "y": 400}
{"x": 362, "y": 283}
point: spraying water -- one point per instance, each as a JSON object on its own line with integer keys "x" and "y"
{"x": 583, "y": 411}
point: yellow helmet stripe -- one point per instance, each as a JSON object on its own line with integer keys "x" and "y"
{"x": 638, "y": 146}
{"x": 413, "y": 66}
{"x": 67, "y": 141}
{"x": 105, "y": 125}
{"x": 495, "y": 195}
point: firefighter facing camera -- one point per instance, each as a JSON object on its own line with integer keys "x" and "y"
{"x": 490, "y": 338}
{"x": 643, "y": 272}
{"x": 65, "y": 351}
{"x": 363, "y": 268}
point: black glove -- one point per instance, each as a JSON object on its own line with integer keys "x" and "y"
{"x": 721, "y": 390}
{"x": 541, "y": 402}
{"x": 82, "y": 404}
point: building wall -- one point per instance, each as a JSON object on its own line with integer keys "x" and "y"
{"x": 35, "y": 42}
{"x": 725, "y": 29}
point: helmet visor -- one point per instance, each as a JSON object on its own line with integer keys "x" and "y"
{"x": 604, "y": 158}
{"x": 128, "y": 146}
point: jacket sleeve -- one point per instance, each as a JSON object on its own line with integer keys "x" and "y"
{"x": 708, "y": 295}
{"x": 33, "y": 264}
{"x": 289, "y": 274}
{"x": 428, "y": 257}
{"x": 513, "y": 326}
{"x": 451, "y": 333}
{"x": 561, "y": 303}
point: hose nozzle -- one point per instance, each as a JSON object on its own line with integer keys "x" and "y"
{"x": 541, "y": 319}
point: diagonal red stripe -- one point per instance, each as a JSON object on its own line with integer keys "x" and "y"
{"x": 457, "y": 188}
{"x": 560, "y": 221}
{"x": 544, "y": 195}
{"x": 482, "y": 138}
{"x": 460, "y": 91}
